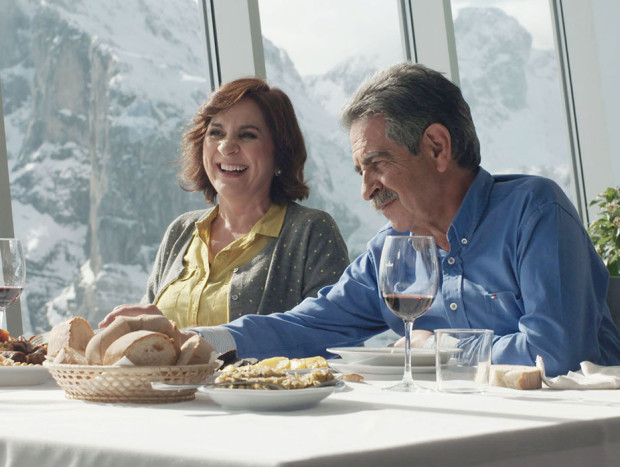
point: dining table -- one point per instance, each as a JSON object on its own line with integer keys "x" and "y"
{"x": 360, "y": 424}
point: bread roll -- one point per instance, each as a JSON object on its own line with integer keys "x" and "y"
{"x": 122, "y": 325}
{"x": 96, "y": 349}
{"x": 156, "y": 323}
{"x": 69, "y": 356}
{"x": 74, "y": 333}
{"x": 142, "y": 348}
{"x": 515, "y": 376}
{"x": 195, "y": 351}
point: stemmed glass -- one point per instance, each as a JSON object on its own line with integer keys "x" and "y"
{"x": 408, "y": 280}
{"x": 12, "y": 273}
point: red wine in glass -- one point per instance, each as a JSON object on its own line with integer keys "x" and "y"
{"x": 408, "y": 280}
{"x": 408, "y": 307}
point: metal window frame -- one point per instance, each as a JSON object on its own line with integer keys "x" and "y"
{"x": 585, "y": 102}
{"x": 235, "y": 49}
{"x": 427, "y": 33}
{"x": 562, "y": 51}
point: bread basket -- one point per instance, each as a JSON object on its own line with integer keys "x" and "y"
{"x": 132, "y": 384}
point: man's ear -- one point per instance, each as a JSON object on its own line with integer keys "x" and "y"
{"x": 437, "y": 139}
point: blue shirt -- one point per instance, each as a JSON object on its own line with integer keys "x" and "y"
{"x": 520, "y": 263}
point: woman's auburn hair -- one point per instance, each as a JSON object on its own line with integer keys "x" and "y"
{"x": 289, "y": 148}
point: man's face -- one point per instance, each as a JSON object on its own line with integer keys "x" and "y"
{"x": 399, "y": 184}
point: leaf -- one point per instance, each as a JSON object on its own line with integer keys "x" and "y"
{"x": 604, "y": 231}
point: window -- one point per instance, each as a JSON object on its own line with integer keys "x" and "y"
{"x": 95, "y": 97}
{"x": 318, "y": 53}
{"x": 509, "y": 75}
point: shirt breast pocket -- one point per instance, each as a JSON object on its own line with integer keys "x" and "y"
{"x": 505, "y": 310}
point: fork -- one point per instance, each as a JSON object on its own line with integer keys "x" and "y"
{"x": 40, "y": 339}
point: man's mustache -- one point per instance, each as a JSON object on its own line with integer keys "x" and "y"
{"x": 380, "y": 197}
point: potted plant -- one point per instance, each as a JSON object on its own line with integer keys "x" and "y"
{"x": 605, "y": 234}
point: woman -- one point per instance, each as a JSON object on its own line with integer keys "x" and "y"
{"x": 256, "y": 251}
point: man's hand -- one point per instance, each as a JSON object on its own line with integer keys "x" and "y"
{"x": 129, "y": 310}
{"x": 418, "y": 338}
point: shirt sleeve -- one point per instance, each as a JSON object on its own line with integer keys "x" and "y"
{"x": 218, "y": 337}
{"x": 346, "y": 313}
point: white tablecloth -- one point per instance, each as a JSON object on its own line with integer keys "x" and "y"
{"x": 361, "y": 425}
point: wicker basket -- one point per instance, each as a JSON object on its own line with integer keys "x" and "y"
{"x": 128, "y": 384}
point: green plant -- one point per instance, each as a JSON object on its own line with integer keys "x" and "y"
{"x": 605, "y": 230}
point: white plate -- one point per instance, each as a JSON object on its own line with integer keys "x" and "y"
{"x": 376, "y": 370}
{"x": 388, "y": 356}
{"x": 23, "y": 375}
{"x": 269, "y": 400}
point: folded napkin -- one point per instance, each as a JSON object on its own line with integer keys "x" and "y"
{"x": 591, "y": 376}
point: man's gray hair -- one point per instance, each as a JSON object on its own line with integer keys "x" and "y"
{"x": 411, "y": 97}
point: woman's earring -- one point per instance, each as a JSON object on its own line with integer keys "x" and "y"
{"x": 277, "y": 172}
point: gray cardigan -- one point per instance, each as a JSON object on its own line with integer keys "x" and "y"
{"x": 308, "y": 254}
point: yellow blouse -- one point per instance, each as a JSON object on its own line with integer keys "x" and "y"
{"x": 200, "y": 296}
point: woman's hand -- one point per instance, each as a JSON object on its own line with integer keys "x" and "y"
{"x": 137, "y": 310}
{"x": 129, "y": 310}
{"x": 418, "y": 338}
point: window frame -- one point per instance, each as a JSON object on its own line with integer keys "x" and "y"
{"x": 13, "y": 313}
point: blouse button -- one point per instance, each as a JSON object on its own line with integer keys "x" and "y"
{"x": 235, "y": 297}
{"x": 451, "y": 260}
{"x": 464, "y": 241}
{"x": 453, "y": 306}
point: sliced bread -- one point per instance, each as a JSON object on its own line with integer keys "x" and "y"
{"x": 74, "y": 333}
{"x": 515, "y": 376}
{"x": 195, "y": 351}
{"x": 142, "y": 348}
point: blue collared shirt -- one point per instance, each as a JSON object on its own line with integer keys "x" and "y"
{"x": 520, "y": 263}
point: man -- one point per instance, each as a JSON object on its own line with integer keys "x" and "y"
{"x": 514, "y": 256}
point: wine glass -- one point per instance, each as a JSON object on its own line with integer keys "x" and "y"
{"x": 408, "y": 280}
{"x": 12, "y": 273}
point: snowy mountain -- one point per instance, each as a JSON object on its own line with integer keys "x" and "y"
{"x": 515, "y": 96}
{"x": 95, "y": 98}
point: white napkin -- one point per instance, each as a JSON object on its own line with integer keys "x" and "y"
{"x": 591, "y": 376}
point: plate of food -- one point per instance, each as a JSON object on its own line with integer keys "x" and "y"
{"x": 269, "y": 400}
{"x": 388, "y": 356}
{"x": 21, "y": 361}
{"x": 261, "y": 387}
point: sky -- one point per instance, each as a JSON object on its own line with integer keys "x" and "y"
{"x": 318, "y": 34}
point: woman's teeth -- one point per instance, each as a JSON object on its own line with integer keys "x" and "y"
{"x": 233, "y": 168}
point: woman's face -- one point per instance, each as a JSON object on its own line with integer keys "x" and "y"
{"x": 238, "y": 153}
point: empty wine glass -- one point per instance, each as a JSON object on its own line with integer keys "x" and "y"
{"x": 408, "y": 280}
{"x": 12, "y": 274}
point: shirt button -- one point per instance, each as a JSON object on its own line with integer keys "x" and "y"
{"x": 235, "y": 269}
{"x": 235, "y": 297}
{"x": 451, "y": 260}
{"x": 464, "y": 241}
{"x": 453, "y": 306}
